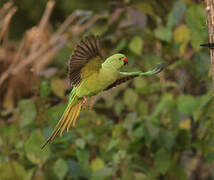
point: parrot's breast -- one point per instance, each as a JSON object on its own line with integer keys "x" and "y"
{"x": 96, "y": 82}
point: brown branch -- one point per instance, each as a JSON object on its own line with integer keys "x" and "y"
{"x": 6, "y": 22}
{"x": 210, "y": 24}
{"x": 5, "y": 8}
{"x": 46, "y": 15}
{"x": 65, "y": 25}
{"x": 43, "y": 23}
{"x": 36, "y": 50}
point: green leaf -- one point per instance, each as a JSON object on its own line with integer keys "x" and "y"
{"x": 136, "y": 45}
{"x": 74, "y": 169}
{"x": 150, "y": 131}
{"x": 80, "y": 143}
{"x": 197, "y": 37}
{"x": 12, "y": 170}
{"x": 33, "y": 148}
{"x": 201, "y": 67}
{"x": 195, "y": 17}
{"x": 178, "y": 172}
{"x": 58, "y": 86}
{"x": 162, "y": 161}
{"x": 163, "y": 34}
{"x": 166, "y": 139}
{"x": 186, "y": 104}
{"x": 60, "y": 168}
{"x": 182, "y": 35}
{"x": 83, "y": 158}
{"x": 97, "y": 164}
{"x": 27, "y": 112}
{"x": 113, "y": 143}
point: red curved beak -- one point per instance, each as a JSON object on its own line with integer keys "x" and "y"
{"x": 125, "y": 60}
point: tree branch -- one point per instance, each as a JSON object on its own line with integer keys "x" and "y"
{"x": 210, "y": 24}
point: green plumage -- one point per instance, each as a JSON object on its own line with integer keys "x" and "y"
{"x": 89, "y": 75}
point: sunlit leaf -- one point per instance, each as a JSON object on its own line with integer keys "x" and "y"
{"x": 97, "y": 164}
{"x": 182, "y": 35}
{"x": 58, "y": 86}
{"x": 186, "y": 124}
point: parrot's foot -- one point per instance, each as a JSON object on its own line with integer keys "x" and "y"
{"x": 91, "y": 103}
{"x": 84, "y": 102}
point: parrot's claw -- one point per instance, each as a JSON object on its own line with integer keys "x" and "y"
{"x": 84, "y": 102}
{"x": 91, "y": 103}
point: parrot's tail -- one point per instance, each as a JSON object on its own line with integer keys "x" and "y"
{"x": 69, "y": 116}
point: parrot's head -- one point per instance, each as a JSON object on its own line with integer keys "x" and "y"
{"x": 118, "y": 60}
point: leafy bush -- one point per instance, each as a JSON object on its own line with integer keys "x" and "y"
{"x": 158, "y": 127}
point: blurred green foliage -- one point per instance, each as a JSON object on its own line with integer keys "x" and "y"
{"x": 150, "y": 128}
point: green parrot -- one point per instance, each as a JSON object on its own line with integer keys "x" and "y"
{"x": 90, "y": 74}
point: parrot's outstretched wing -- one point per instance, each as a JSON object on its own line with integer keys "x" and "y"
{"x": 85, "y": 60}
{"x": 125, "y": 76}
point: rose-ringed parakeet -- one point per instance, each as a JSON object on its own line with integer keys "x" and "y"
{"x": 90, "y": 74}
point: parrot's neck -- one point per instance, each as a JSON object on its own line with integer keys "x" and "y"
{"x": 109, "y": 65}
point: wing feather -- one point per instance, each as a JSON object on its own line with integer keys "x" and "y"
{"x": 87, "y": 52}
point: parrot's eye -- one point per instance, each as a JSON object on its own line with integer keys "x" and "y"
{"x": 120, "y": 58}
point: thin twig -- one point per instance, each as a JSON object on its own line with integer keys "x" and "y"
{"x": 5, "y": 8}
{"x": 6, "y": 21}
{"x": 43, "y": 23}
{"x": 210, "y": 24}
{"x": 46, "y": 15}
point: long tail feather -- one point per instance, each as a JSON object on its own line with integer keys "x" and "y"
{"x": 76, "y": 115}
{"x": 70, "y": 115}
{"x": 70, "y": 122}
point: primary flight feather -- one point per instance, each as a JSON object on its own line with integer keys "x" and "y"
{"x": 89, "y": 74}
